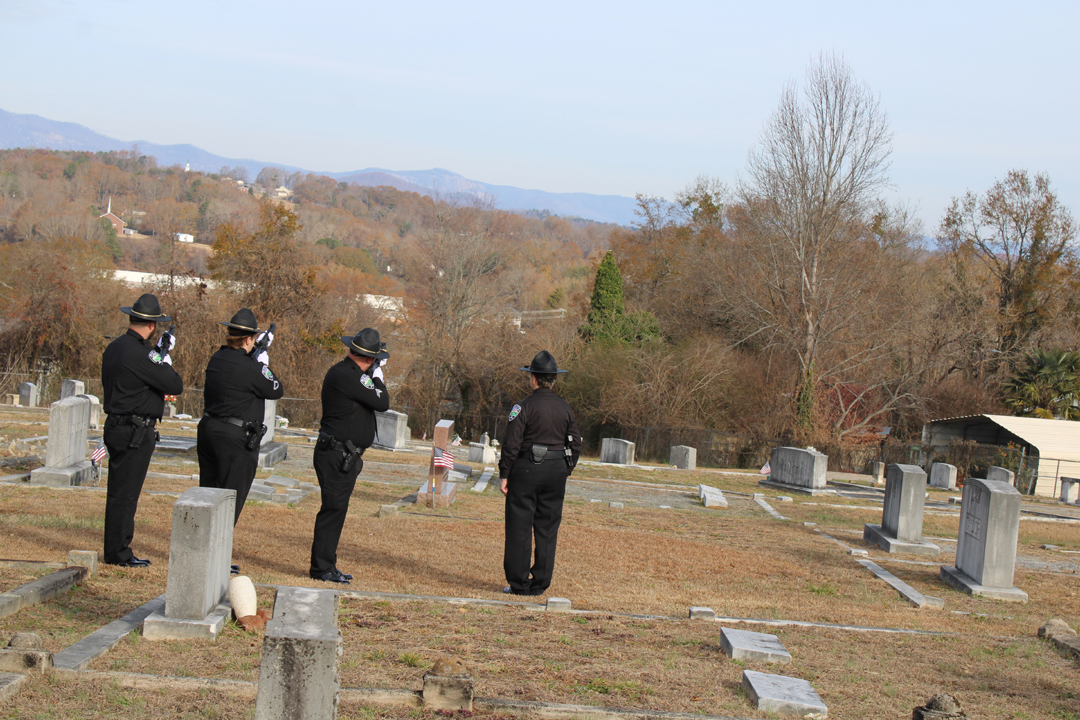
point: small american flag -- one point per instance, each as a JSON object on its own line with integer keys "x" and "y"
{"x": 443, "y": 458}
{"x": 99, "y": 453}
{"x": 765, "y": 469}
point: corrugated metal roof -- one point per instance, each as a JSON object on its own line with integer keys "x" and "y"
{"x": 1058, "y": 439}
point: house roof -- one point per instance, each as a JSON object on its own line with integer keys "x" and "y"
{"x": 1059, "y": 439}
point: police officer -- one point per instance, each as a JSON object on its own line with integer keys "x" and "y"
{"x": 540, "y": 448}
{"x": 136, "y": 377}
{"x": 353, "y": 390}
{"x": 231, "y": 428}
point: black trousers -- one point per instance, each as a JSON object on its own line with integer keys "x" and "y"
{"x": 534, "y": 500}
{"x": 336, "y": 488}
{"x": 127, "y": 473}
{"x": 224, "y": 460}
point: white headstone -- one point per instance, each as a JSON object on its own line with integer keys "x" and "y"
{"x": 1001, "y": 474}
{"x": 69, "y": 388}
{"x": 95, "y": 410}
{"x": 684, "y": 457}
{"x": 798, "y": 467}
{"x": 392, "y": 430}
{"x": 614, "y": 450}
{"x": 943, "y": 475}
{"x": 65, "y": 453}
{"x": 269, "y": 414}
{"x": 200, "y": 550}
{"x": 28, "y": 394}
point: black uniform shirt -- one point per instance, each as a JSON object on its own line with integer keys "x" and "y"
{"x": 136, "y": 380}
{"x": 543, "y": 418}
{"x": 236, "y": 385}
{"x": 350, "y": 398}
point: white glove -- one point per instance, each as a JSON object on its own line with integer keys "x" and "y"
{"x": 269, "y": 338}
{"x": 263, "y": 357}
{"x": 167, "y": 360}
{"x": 378, "y": 373}
{"x": 161, "y": 344}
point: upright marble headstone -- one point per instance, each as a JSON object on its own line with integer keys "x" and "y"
{"x": 986, "y": 550}
{"x": 684, "y": 457}
{"x": 200, "y": 550}
{"x": 28, "y": 394}
{"x": 65, "y": 453}
{"x": 1001, "y": 474}
{"x": 391, "y": 430}
{"x": 877, "y": 471}
{"x": 436, "y": 492}
{"x": 95, "y": 411}
{"x": 485, "y": 439}
{"x": 271, "y": 452}
{"x": 797, "y": 469}
{"x": 902, "y": 518}
{"x": 943, "y": 475}
{"x": 614, "y": 450}
{"x": 481, "y": 453}
{"x": 69, "y": 388}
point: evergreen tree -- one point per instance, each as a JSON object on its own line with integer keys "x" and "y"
{"x": 607, "y": 319}
{"x": 1047, "y": 386}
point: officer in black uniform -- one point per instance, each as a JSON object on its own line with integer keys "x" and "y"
{"x": 352, "y": 392}
{"x": 232, "y": 424}
{"x": 540, "y": 449}
{"x": 136, "y": 377}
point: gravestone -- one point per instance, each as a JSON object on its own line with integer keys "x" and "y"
{"x": 28, "y": 394}
{"x": 877, "y": 471}
{"x": 69, "y": 388}
{"x": 437, "y": 492}
{"x": 797, "y": 469}
{"x": 391, "y": 430}
{"x": 902, "y": 518}
{"x": 270, "y": 452}
{"x": 65, "y": 453}
{"x": 1067, "y": 485}
{"x": 301, "y": 654}
{"x": 683, "y": 457}
{"x": 943, "y": 475}
{"x": 760, "y": 647}
{"x": 200, "y": 550}
{"x": 782, "y": 695}
{"x": 986, "y": 550}
{"x": 485, "y": 439}
{"x": 95, "y": 411}
{"x": 1001, "y": 474}
{"x": 619, "y": 452}
{"x": 711, "y": 497}
{"x": 481, "y": 453}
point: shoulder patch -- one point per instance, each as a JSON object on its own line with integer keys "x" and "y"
{"x": 266, "y": 373}
{"x": 514, "y": 412}
{"x": 155, "y": 357}
{"x": 367, "y": 382}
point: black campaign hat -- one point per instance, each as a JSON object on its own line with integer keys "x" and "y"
{"x": 242, "y": 323}
{"x": 146, "y": 309}
{"x": 367, "y": 343}
{"x": 543, "y": 364}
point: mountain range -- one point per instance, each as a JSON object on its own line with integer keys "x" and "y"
{"x": 34, "y": 131}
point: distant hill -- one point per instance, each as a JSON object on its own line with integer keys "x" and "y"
{"x": 34, "y": 131}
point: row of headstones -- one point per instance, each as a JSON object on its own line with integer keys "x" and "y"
{"x": 621, "y": 452}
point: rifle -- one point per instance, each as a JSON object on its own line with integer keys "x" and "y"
{"x": 164, "y": 342}
{"x": 263, "y": 343}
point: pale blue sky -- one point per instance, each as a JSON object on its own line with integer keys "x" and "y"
{"x": 598, "y": 97}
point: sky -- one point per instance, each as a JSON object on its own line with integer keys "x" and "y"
{"x": 611, "y": 98}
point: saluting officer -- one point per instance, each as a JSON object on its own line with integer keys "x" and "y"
{"x": 231, "y": 428}
{"x": 136, "y": 378}
{"x": 352, "y": 392}
{"x": 540, "y": 449}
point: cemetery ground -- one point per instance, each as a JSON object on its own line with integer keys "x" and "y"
{"x": 428, "y": 585}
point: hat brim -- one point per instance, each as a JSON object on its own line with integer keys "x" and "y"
{"x": 145, "y": 318}
{"x": 378, "y": 355}
{"x": 233, "y": 326}
{"x": 543, "y": 372}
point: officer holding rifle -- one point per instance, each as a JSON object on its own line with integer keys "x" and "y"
{"x": 352, "y": 392}
{"x": 136, "y": 378}
{"x": 238, "y": 381}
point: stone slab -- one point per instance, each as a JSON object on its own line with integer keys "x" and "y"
{"x": 272, "y": 453}
{"x": 69, "y": 388}
{"x": 556, "y": 604}
{"x": 485, "y": 478}
{"x": 96, "y": 644}
{"x": 280, "y": 481}
{"x": 9, "y": 685}
{"x": 200, "y": 549}
{"x": 388, "y": 510}
{"x": 683, "y": 457}
{"x": 988, "y": 534}
{"x": 798, "y": 467}
{"x": 81, "y": 473}
{"x": 614, "y": 505}
{"x": 481, "y": 453}
{"x": 175, "y": 443}
{"x": 617, "y": 451}
{"x": 28, "y": 394}
{"x": 943, "y": 475}
{"x": 801, "y": 489}
{"x": 759, "y": 647}
{"x": 714, "y": 500}
{"x": 877, "y": 535}
{"x": 1000, "y": 474}
{"x": 956, "y": 579}
{"x": 702, "y": 613}
{"x": 782, "y": 695}
{"x": 909, "y": 593}
{"x": 158, "y": 626}
{"x": 84, "y": 558}
{"x": 448, "y": 692}
{"x": 391, "y": 430}
{"x": 41, "y": 589}
{"x": 905, "y": 501}
{"x": 427, "y": 498}
{"x": 24, "y": 660}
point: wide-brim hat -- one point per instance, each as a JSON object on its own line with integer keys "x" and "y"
{"x": 147, "y": 309}
{"x": 367, "y": 343}
{"x": 543, "y": 364}
{"x": 242, "y": 323}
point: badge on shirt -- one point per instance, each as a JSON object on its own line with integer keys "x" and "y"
{"x": 514, "y": 412}
{"x": 155, "y": 357}
{"x": 267, "y": 374}
{"x": 367, "y": 382}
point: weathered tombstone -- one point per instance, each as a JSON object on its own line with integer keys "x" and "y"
{"x": 270, "y": 452}
{"x": 391, "y": 430}
{"x": 902, "y": 518}
{"x": 943, "y": 475}
{"x": 448, "y": 687}
{"x": 65, "y": 453}
{"x": 999, "y": 473}
{"x": 986, "y": 550}
{"x": 782, "y": 695}
{"x": 619, "y": 452}
{"x": 200, "y": 549}
{"x": 481, "y": 453}
{"x": 684, "y": 457}
{"x": 877, "y": 471}
{"x": 170, "y": 410}
{"x": 1067, "y": 484}
{"x": 70, "y": 388}
{"x": 746, "y": 645}
{"x": 485, "y": 439}
{"x": 95, "y": 411}
{"x": 28, "y": 394}
{"x": 301, "y": 654}
{"x": 436, "y": 492}
{"x": 798, "y": 470}
{"x": 711, "y": 497}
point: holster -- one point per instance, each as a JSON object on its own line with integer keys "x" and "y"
{"x": 142, "y": 424}
{"x": 537, "y": 453}
{"x": 349, "y": 454}
{"x": 255, "y": 432}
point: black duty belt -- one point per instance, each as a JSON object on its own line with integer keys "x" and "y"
{"x": 231, "y": 420}
{"x": 133, "y": 419}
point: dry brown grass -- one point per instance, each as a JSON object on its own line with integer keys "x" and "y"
{"x": 640, "y": 559}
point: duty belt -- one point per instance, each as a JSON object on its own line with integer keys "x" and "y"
{"x": 133, "y": 419}
{"x": 231, "y": 420}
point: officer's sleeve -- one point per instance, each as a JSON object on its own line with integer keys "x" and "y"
{"x": 369, "y": 392}
{"x": 151, "y": 369}
{"x": 511, "y": 448}
{"x": 267, "y": 385}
